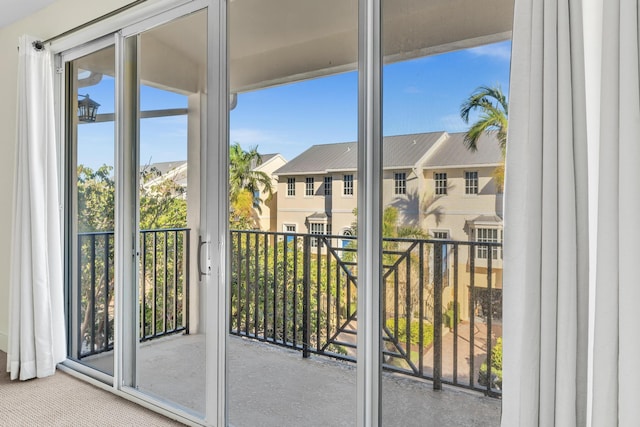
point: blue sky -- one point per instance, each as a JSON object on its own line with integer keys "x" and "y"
{"x": 420, "y": 95}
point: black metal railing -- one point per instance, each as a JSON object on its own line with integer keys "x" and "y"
{"x": 441, "y": 302}
{"x": 286, "y": 291}
{"x": 95, "y": 289}
{"x": 164, "y": 287}
{"x": 164, "y": 282}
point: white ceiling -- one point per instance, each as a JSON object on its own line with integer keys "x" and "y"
{"x": 14, "y": 10}
{"x": 280, "y": 41}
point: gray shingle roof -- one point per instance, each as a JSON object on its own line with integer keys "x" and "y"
{"x": 318, "y": 216}
{"x": 401, "y": 151}
{"x": 164, "y": 167}
{"x": 452, "y": 152}
{"x": 486, "y": 219}
{"x": 265, "y": 158}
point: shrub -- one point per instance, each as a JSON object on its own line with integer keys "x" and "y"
{"x": 496, "y": 367}
{"x": 427, "y": 331}
{"x": 448, "y": 316}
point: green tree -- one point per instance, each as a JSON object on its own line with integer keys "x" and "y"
{"x": 162, "y": 205}
{"x": 391, "y": 228}
{"x": 96, "y": 190}
{"x": 242, "y": 215}
{"x": 244, "y": 177}
{"x": 163, "y": 201}
{"x": 494, "y": 113}
{"x": 493, "y": 108}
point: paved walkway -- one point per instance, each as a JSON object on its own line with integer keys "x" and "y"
{"x": 449, "y": 363}
{"x": 464, "y": 351}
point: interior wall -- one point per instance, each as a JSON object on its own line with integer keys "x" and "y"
{"x": 57, "y": 18}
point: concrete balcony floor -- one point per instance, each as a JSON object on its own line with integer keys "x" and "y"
{"x": 273, "y": 386}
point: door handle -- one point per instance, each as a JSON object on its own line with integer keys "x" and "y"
{"x": 200, "y": 244}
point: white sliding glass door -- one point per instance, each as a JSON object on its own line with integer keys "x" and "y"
{"x": 262, "y": 226}
{"x": 165, "y": 90}
{"x": 140, "y": 256}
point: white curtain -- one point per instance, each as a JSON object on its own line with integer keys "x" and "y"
{"x": 36, "y": 311}
{"x": 546, "y": 227}
{"x": 616, "y": 349}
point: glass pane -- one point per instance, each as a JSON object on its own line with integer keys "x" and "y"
{"x": 92, "y": 154}
{"x": 293, "y": 192}
{"x": 441, "y": 296}
{"x": 172, "y": 75}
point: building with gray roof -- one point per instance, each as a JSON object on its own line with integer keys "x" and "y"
{"x": 432, "y": 179}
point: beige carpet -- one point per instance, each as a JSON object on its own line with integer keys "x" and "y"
{"x": 62, "y": 400}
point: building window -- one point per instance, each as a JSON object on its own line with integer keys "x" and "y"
{"x": 256, "y": 199}
{"x": 471, "y": 183}
{"x": 488, "y": 235}
{"x": 316, "y": 228}
{"x": 400, "y": 183}
{"x": 440, "y": 235}
{"x": 308, "y": 189}
{"x": 327, "y": 185}
{"x": 348, "y": 185}
{"x": 288, "y": 228}
{"x": 440, "y": 179}
{"x": 291, "y": 186}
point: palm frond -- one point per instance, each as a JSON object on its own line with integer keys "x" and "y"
{"x": 494, "y": 110}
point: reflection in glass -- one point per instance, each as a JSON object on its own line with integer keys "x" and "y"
{"x": 92, "y": 153}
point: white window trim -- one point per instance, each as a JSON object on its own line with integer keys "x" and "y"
{"x": 294, "y": 188}
{"x": 400, "y": 184}
{"x": 327, "y": 180}
{"x": 437, "y": 180}
{"x": 439, "y": 230}
{"x": 482, "y": 253}
{"x": 309, "y": 180}
{"x": 344, "y": 185}
{"x": 477, "y": 179}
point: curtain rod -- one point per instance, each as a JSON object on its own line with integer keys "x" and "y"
{"x": 40, "y": 45}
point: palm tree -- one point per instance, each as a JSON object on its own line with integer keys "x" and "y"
{"x": 244, "y": 177}
{"x": 494, "y": 111}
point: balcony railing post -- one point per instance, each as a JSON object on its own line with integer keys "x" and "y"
{"x": 437, "y": 316}
{"x": 306, "y": 301}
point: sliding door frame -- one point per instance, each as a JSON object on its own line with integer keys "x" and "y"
{"x": 122, "y": 31}
{"x": 369, "y": 339}
{"x": 215, "y": 223}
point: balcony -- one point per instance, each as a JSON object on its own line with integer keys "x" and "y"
{"x": 293, "y": 306}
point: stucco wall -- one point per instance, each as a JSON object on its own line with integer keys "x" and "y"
{"x": 55, "y": 19}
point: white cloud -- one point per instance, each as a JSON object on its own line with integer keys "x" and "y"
{"x": 500, "y": 51}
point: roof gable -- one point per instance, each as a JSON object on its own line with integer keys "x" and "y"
{"x": 453, "y": 153}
